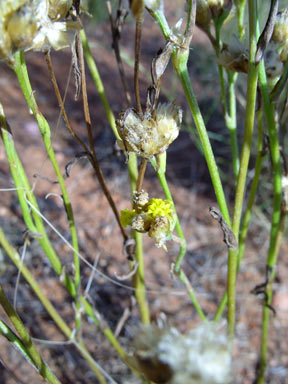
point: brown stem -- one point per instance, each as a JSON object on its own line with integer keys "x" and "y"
{"x": 138, "y": 34}
{"x": 115, "y": 29}
{"x": 141, "y": 175}
{"x": 92, "y": 154}
{"x": 61, "y": 104}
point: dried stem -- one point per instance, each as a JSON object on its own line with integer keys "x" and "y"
{"x": 115, "y": 29}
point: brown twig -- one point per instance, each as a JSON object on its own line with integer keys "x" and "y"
{"x": 141, "y": 174}
{"x": 90, "y": 152}
{"x": 116, "y": 29}
{"x": 95, "y": 162}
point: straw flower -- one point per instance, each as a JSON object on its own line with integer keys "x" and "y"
{"x": 166, "y": 356}
{"x": 148, "y": 136}
{"x": 34, "y": 25}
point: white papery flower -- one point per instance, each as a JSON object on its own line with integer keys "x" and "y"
{"x": 201, "y": 356}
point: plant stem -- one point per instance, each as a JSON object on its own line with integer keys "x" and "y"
{"x": 24, "y": 191}
{"x": 180, "y": 64}
{"x": 248, "y": 212}
{"x": 138, "y": 277}
{"x": 278, "y": 219}
{"x": 244, "y": 161}
{"x": 98, "y": 83}
{"x": 140, "y": 292}
{"x": 44, "y": 370}
{"x": 240, "y": 11}
{"x": 160, "y": 169}
{"x": 14, "y": 256}
{"x": 20, "y": 69}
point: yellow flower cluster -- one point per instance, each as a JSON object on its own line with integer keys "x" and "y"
{"x": 155, "y": 217}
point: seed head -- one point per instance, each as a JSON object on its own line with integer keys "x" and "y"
{"x": 280, "y": 32}
{"x": 34, "y": 24}
{"x": 164, "y": 355}
{"x": 147, "y": 136}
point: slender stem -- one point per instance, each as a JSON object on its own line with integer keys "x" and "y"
{"x": 248, "y": 212}
{"x": 278, "y": 219}
{"x": 14, "y": 256}
{"x": 94, "y": 160}
{"x": 180, "y": 64}
{"x": 98, "y": 83}
{"x": 44, "y": 370}
{"x": 115, "y": 29}
{"x": 160, "y": 169}
{"x": 104, "y": 328}
{"x": 138, "y": 277}
{"x": 24, "y": 192}
{"x": 192, "y": 295}
{"x": 139, "y": 22}
{"x": 139, "y": 281}
{"x": 141, "y": 174}
{"x": 240, "y": 11}
{"x": 244, "y": 161}
{"x": 229, "y": 116}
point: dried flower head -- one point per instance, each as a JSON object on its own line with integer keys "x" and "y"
{"x": 140, "y": 199}
{"x": 234, "y": 57}
{"x": 59, "y": 9}
{"x": 147, "y": 136}
{"x": 152, "y": 216}
{"x": 34, "y": 24}
{"x": 210, "y": 9}
{"x": 164, "y": 355}
{"x": 273, "y": 63}
{"x": 280, "y": 34}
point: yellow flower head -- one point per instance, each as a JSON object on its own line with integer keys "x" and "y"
{"x": 159, "y": 207}
{"x": 126, "y": 217}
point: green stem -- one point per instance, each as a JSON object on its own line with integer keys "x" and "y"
{"x": 24, "y": 82}
{"x": 180, "y": 63}
{"x": 231, "y": 122}
{"x": 138, "y": 278}
{"x": 240, "y": 11}
{"x": 160, "y": 169}
{"x": 24, "y": 191}
{"x": 14, "y": 256}
{"x": 248, "y": 212}
{"x": 229, "y": 116}
{"x": 277, "y": 224}
{"x": 98, "y": 83}
{"x": 244, "y": 161}
{"x": 104, "y": 328}
{"x": 139, "y": 281}
{"x": 44, "y": 370}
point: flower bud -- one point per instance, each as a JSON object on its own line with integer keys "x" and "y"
{"x": 203, "y": 14}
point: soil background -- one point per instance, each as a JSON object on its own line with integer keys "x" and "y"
{"x": 100, "y": 240}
